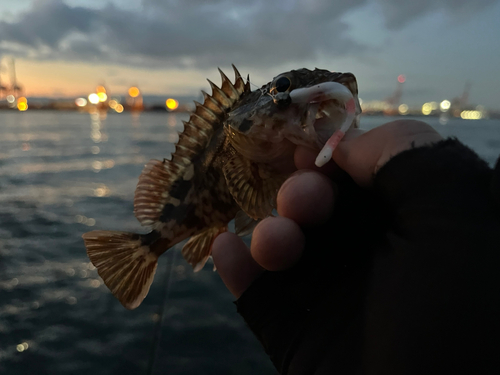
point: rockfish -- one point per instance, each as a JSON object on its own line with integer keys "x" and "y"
{"x": 230, "y": 161}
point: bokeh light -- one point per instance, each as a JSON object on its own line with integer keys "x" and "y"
{"x": 172, "y": 104}
{"x": 471, "y": 115}
{"x": 445, "y": 105}
{"x": 401, "y": 78}
{"x": 11, "y": 98}
{"x": 403, "y": 109}
{"x": 133, "y": 92}
{"x": 81, "y": 102}
{"x": 94, "y": 98}
{"x": 22, "y": 104}
{"x": 102, "y": 96}
{"x": 112, "y": 104}
{"x": 119, "y": 108}
{"x": 100, "y": 89}
{"x": 427, "y": 109}
{"x": 22, "y": 347}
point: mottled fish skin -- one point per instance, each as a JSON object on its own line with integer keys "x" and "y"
{"x": 231, "y": 159}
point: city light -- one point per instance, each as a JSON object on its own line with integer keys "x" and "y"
{"x": 22, "y": 104}
{"x": 94, "y": 98}
{"x": 22, "y": 347}
{"x": 119, "y": 108}
{"x": 102, "y": 96}
{"x": 100, "y": 89}
{"x": 133, "y": 92}
{"x": 172, "y": 104}
{"x": 81, "y": 102}
{"x": 11, "y": 98}
{"x": 113, "y": 103}
{"x": 471, "y": 115}
{"x": 427, "y": 109}
{"x": 403, "y": 109}
{"x": 445, "y": 105}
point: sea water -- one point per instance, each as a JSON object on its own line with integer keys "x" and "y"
{"x": 65, "y": 173}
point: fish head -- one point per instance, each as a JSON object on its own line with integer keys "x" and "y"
{"x": 302, "y": 107}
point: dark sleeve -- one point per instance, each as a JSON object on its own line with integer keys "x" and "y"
{"x": 402, "y": 280}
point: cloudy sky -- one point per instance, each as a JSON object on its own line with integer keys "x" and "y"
{"x": 67, "y": 47}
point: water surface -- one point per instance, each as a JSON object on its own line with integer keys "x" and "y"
{"x": 63, "y": 174}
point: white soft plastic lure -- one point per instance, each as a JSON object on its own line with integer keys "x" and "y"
{"x": 323, "y": 92}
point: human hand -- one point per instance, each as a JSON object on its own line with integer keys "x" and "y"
{"x": 307, "y": 198}
{"x": 313, "y": 301}
{"x": 398, "y": 279}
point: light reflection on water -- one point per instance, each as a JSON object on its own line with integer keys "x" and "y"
{"x": 63, "y": 174}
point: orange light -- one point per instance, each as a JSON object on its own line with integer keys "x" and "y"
{"x": 100, "y": 89}
{"x": 22, "y": 99}
{"x": 172, "y": 104}
{"x": 133, "y": 92}
{"x": 22, "y": 106}
{"x": 119, "y": 108}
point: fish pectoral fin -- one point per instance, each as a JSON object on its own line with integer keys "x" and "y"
{"x": 199, "y": 247}
{"x": 126, "y": 266}
{"x": 254, "y": 186}
{"x": 244, "y": 224}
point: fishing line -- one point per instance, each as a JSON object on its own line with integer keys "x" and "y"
{"x": 162, "y": 307}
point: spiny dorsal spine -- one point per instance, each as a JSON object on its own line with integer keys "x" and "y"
{"x": 153, "y": 189}
{"x": 208, "y": 116}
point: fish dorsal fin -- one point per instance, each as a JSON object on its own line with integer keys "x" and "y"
{"x": 198, "y": 248}
{"x": 254, "y": 186}
{"x": 158, "y": 177}
{"x": 244, "y": 224}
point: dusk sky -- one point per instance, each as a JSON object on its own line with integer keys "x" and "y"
{"x": 67, "y": 47}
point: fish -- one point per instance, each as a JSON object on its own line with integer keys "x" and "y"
{"x": 230, "y": 160}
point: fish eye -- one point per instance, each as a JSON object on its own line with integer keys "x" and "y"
{"x": 282, "y": 84}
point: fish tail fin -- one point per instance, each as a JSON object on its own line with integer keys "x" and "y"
{"x": 126, "y": 265}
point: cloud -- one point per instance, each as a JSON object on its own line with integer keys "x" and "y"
{"x": 186, "y": 33}
{"x": 46, "y": 23}
{"x": 398, "y": 13}
{"x": 194, "y": 33}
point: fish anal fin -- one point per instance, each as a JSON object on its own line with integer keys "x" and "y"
{"x": 254, "y": 186}
{"x": 198, "y": 248}
{"x": 126, "y": 266}
{"x": 244, "y": 224}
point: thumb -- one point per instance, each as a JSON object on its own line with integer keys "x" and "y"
{"x": 361, "y": 153}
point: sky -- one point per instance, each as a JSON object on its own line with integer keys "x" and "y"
{"x": 170, "y": 47}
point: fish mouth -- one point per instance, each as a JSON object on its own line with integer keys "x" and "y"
{"x": 330, "y": 114}
{"x": 331, "y": 106}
